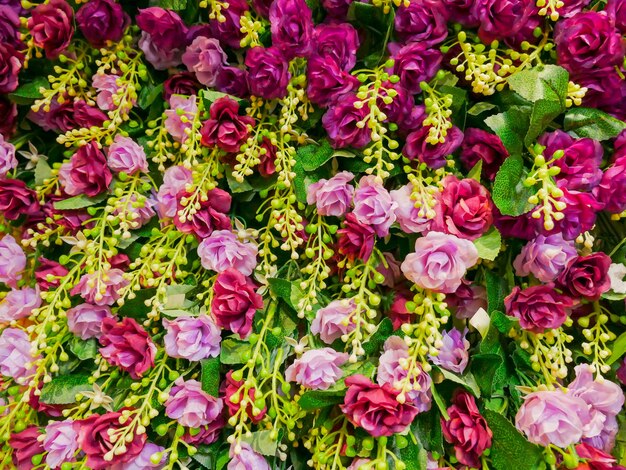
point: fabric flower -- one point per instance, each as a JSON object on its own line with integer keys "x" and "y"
{"x": 192, "y": 338}
{"x": 15, "y": 354}
{"x": 143, "y": 460}
{"x": 341, "y": 123}
{"x": 205, "y": 57}
{"x": 414, "y": 63}
{"x": 439, "y": 262}
{"x": 52, "y": 26}
{"x": 374, "y": 206}
{"x": 356, "y": 240}
{"x": 85, "y": 320}
{"x": 333, "y": 321}
{"x": 586, "y": 276}
{"x": 225, "y": 128}
{"x": 223, "y": 249}
{"x": 332, "y": 196}
{"x": 317, "y": 369}
{"x": 479, "y": 145}
{"x": 180, "y": 106}
{"x": 109, "y": 283}
{"x": 19, "y": 303}
{"x": 127, "y": 155}
{"x": 453, "y": 355}
{"x": 190, "y": 405}
{"x": 338, "y": 42}
{"x": 12, "y": 261}
{"x": 246, "y": 459}
{"x": 88, "y": 171}
{"x": 231, "y": 388}
{"x": 416, "y": 146}
{"x": 101, "y": 21}
{"x": 127, "y": 345}
{"x": 545, "y": 257}
{"x": 61, "y": 442}
{"x": 410, "y": 218}
{"x": 292, "y": 27}
{"x": 268, "y": 72}
{"x": 538, "y": 307}
{"x": 422, "y": 21}
{"x": 25, "y": 445}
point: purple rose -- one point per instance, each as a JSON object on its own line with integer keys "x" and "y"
{"x": 356, "y": 240}
{"x": 101, "y": 21}
{"x": 223, "y": 249}
{"x": 479, "y": 145}
{"x": 161, "y": 59}
{"x": 586, "y": 276}
{"x": 423, "y": 21}
{"x": 337, "y": 8}
{"x": 180, "y": 106}
{"x": 166, "y": 29}
{"x": 233, "y": 81}
{"x": 16, "y": 359}
{"x": 338, "y": 42}
{"x": 467, "y": 300}
{"x": 341, "y": 122}
{"x": 580, "y": 164}
{"x": 244, "y": 458}
{"x": 85, "y": 320}
{"x": 19, "y": 303}
{"x": 580, "y": 213}
{"x": 8, "y": 117}
{"x": 127, "y": 155}
{"x": 616, "y": 9}
{"x": 334, "y": 320}
{"x": 327, "y": 83}
{"x": 462, "y": 12}
{"x": 439, "y": 262}
{"x": 538, "y": 307}
{"x": 10, "y": 66}
{"x": 552, "y": 417}
{"x": 12, "y": 261}
{"x": 453, "y": 355}
{"x": 391, "y": 372}
{"x": 610, "y": 191}
{"x": 587, "y": 42}
{"x": 292, "y": 27}
{"x": 268, "y": 71}
{"x": 190, "y": 405}
{"x": 205, "y": 58}
{"x": 501, "y": 19}
{"x": 107, "y": 87}
{"x": 317, "y": 369}
{"x": 61, "y": 442}
{"x": 10, "y": 27}
{"x": 143, "y": 461}
{"x": 175, "y": 180}
{"x": 183, "y": 83}
{"x": 333, "y": 196}
{"x": 7, "y": 157}
{"x": 228, "y": 32}
{"x": 109, "y": 285}
{"x": 374, "y": 206}
{"x": 434, "y": 156}
{"x": 411, "y": 219}
{"x": 545, "y": 257}
{"x": 52, "y": 26}
{"x": 88, "y": 172}
{"x": 414, "y": 63}
{"x": 192, "y": 338}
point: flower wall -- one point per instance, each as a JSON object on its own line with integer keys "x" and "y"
{"x": 329, "y": 234}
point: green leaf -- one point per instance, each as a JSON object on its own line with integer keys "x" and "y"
{"x": 476, "y": 171}
{"x": 497, "y": 290}
{"x": 62, "y": 390}
{"x": 511, "y": 126}
{"x": 30, "y": 91}
{"x": 467, "y": 380}
{"x": 548, "y": 82}
{"x": 489, "y": 244}
{"x": 42, "y": 171}
{"x": 543, "y": 113}
{"x": 413, "y": 455}
{"x": 261, "y": 442}
{"x": 480, "y": 108}
{"x": 209, "y": 96}
{"x": 286, "y": 290}
{"x": 148, "y": 94}
{"x": 509, "y": 448}
{"x": 592, "y": 123}
{"x": 235, "y": 186}
{"x": 316, "y": 399}
{"x": 79, "y": 202}
{"x": 84, "y": 349}
{"x": 509, "y": 194}
{"x": 428, "y": 430}
{"x": 176, "y": 5}
{"x": 314, "y": 156}
{"x": 369, "y": 17}
{"x": 502, "y": 322}
{"x": 384, "y": 331}
{"x": 489, "y": 371}
{"x": 211, "y": 375}
{"x": 617, "y": 349}
{"x": 234, "y": 351}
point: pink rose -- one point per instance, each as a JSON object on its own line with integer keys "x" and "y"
{"x": 127, "y": 345}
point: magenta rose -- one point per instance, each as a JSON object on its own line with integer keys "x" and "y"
{"x": 166, "y": 29}
{"x": 183, "y": 83}
{"x": 268, "y": 71}
{"x": 235, "y": 301}
{"x": 327, "y": 82}
{"x": 25, "y": 445}
{"x": 340, "y": 122}
{"x": 52, "y": 26}
{"x": 17, "y": 199}
{"x": 479, "y": 145}
{"x": 375, "y": 408}
{"x": 211, "y": 216}
{"x": 545, "y": 257}
{"x": 423, "y": 21}
{"x": 466, "y": 430}
{"x": 95, "y": 441}
{"x": 586, "y": 276}
{"x": 205, "y": 57}
{"x": 101, "y": 21}
{"x": 228, "y": 32}
{"x": 501, "y": 19}
{"x": 10, "y": 26}
{"x": 338, "y": 42}
{"x": 616, "y": 9}
{"x": 8, "y": 117}
{"x": 231, "y": 387}
{"x": 225, "y": 128}
{"x": 464, "y": 208}
{"x": 10, "y": 66}
{"x": 356, "y": 240}
{"x": 127, "y": 345}
{"x": 538, "y": 307}
{"x": 416, "y": 146}
{"x": 609, "y": 191}
{"x": 89, "y": 172}
{"x": 292, "y": 27}
{"x": 414, "y": 63}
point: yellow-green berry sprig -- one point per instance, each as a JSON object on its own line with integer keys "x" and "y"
{"x": 251, "y": 26}
{"x": 575, "y": 94}
{"x": 425, "y": 185}
{"x": 438, "y": 112}
{"x": 547, "y": 199}
{"x": 386, "y": 5}
{"x": 550, "y": 8}
{"x": 597, "y": 338}
{"x": 326, "y": 442}
{"x": 373, "y": 90}
{"x": 215, "y": 9}
{"x": 161, "y": 147}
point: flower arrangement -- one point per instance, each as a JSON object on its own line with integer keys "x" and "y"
{"x": 329, "y": 234}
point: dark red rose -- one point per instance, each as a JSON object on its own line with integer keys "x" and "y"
{"x": 47, "y": 268}
{"x": 67, "y": 116}
{"x": 610, "y": 191}
{"x": 225, "y": 128}
{"x": 8, "y": 117}
{"x": 35, "y": 403}
{"x": 183, "y": 83}
{"x": 481, "y": 145}
{"x": 466, "y": 430}
{"x": 266, "y": 166}
{"x": 233, "y": 81}
{"x": 398, "y": 312}
{"x": 166, "y": 29}
{"x": 268, "y": 72}
{"x": 464, "y": 208}
{"x": 580, "y": 213}
{"x": 522, "y": 226}
{"x": 538, "y": 307}
{"x": 595, "y": 459}
{"x": 101, "y": 21}
{"x": 230, "y": 387}
{"x": 89, "y": 172}
{"x": 356, "y": 240}
{"x": 17, "y": 199}
{"x": 119, "y": 261}
{"x": 235, "y": 302}
{"x": 586, "y": 276}
{"x": 25, "y": 445}
{"x": 10, "y": 66}
{"x": 375, "y": 408}
{"x": 87, "y": 116}
{"x": 212, "y": 215}
{"x": 127, "y": 345}
{"x": 95, "y": 441}
{"x": 416, "y": 146}
{"x": 52, "y": 26}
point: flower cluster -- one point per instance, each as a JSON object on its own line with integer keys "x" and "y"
{"x": 329, "y": 234}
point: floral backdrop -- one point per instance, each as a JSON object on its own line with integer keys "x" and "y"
{"x": 329, "y": 234}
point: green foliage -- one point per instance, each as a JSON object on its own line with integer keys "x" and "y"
{"x": 509, "y": 194}
{"x": 489, "y": 244}
{"x": 592, "y": 123}
{"x": 510, "y": 449}
{"x": 316, "y": 399}
{"x": 79, "y": 202}
{"x": 84, "y": 349}
{"x": 210, "y": 375}
{"x": 375, "y": 342}
{"x": 62, "y": 390}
